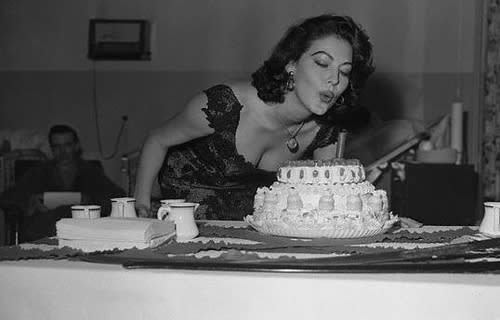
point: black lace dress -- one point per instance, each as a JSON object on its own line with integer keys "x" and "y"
{"x": 210, "y": 171}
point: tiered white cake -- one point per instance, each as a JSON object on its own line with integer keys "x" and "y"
{"x": 321, "y": 199}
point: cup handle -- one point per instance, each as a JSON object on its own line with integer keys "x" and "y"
{"x": 196, "y": 205}
{"x": 162, "y": 212}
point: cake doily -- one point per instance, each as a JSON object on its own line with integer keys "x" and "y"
{"x": 284, "y": 230}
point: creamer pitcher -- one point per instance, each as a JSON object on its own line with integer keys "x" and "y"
{"x": 182, "y": 213}
{"x": 162, "y": 212}
{"x": 490, "y": 225}
{"x": 123, "y": 208}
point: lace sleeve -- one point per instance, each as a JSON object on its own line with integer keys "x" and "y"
{"x": 222, "y": 108}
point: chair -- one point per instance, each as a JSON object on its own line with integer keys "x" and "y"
{"x": 13, "y": 216}
{"x": 13, "y": 166}
{"x": 8, "y": 163}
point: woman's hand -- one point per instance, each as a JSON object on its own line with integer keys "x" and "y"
{"x": 143, "y": 211}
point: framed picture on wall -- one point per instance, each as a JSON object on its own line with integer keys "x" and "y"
{"x": 111, "y": 39}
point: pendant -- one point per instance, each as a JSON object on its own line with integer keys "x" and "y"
{"x": 292, "y": 145}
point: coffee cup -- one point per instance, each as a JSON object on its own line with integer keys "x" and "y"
{"x": 490, "y": 225}
{"x": 86, "y": 211}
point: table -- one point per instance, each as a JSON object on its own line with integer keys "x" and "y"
{"x": 63, "y": 289}
{"x": 80, "y": 290}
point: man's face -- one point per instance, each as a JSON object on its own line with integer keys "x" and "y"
{"x": 64, "y": 147}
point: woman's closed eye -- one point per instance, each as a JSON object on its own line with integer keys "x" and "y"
{"x": 322, "y": 64}
{"x": 345, "y": 70}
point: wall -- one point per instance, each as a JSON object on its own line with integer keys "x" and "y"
{"x": 45, "y": 77}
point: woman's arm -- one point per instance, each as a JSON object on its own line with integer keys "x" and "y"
{"x": 189, "y": 124}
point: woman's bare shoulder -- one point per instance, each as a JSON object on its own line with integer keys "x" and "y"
{"x": 246, "y": 94}
{"x": 238, "y": 85}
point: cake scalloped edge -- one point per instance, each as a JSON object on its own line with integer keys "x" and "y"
{"x": 316, "y": 231}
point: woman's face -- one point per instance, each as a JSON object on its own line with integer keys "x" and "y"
{"x": 322, "y": 73}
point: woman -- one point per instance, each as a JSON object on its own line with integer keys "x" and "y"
{"x": 231, "y": 138}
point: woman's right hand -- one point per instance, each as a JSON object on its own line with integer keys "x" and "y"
{"x": 143, "y": 211}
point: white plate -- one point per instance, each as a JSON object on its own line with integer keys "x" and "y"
{"x": 316, "y": 232}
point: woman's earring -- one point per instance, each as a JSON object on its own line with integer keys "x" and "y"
{"x": 290, "y": 84}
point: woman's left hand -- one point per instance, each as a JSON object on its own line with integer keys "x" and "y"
{"x": 143, "y": 211}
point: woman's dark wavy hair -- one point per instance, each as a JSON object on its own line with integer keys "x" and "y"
{"x": 271, "y": 78}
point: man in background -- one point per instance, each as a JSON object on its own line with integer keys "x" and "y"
{"x": 66, "y": 172}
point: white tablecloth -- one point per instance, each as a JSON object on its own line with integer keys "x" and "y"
{"x": 77, "y": 290}
{"x": 48, "y": 289}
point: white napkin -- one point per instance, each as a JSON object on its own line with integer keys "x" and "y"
{"x": 109, "y": 233}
